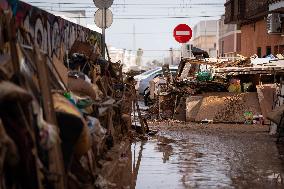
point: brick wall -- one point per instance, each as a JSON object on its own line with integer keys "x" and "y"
{"x": 255, "y": 35}
{"x": 228, "y": 44}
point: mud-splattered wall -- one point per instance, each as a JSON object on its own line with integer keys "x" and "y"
{"x": 49, "y": 31}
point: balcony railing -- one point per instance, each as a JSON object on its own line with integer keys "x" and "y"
{"x": 240, "y": 11}
{"x": 241, "y": 8}
{"x": 273, "y": 1}
{"x": 229, "y": 12}
{"x": 259, "y": 9}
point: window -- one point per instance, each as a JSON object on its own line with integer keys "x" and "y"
{"x": 281, "y": 49}
{"x": 268, "y": 50}
{"x": 259, "y": 52}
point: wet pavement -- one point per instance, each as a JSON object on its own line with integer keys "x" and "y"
{"x": 187, "y": 158}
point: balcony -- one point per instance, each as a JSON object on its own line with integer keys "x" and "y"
{"x": 273, "y": 1}
{"x": 229, "y": 12}
{"x": 234, "y": 11}
{"x": 256, "y": 9}
{"x": 276, "y": 6}
{"x": 242, "y": 11}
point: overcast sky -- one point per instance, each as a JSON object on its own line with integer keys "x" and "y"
{"x": 153, "y": 29}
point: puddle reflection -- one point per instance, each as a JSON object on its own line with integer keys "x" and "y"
{"x": 198, "y": 161}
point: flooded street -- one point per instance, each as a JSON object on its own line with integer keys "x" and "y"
{"x": 206, "y": 158}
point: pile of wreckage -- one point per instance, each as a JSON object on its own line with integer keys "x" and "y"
{"x": 219, "y": 91}
{"x": 59, "y": 116}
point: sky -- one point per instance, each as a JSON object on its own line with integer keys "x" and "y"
{"x": 146, "y": 24}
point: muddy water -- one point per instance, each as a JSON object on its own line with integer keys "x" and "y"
{"x": 177, "y": 160}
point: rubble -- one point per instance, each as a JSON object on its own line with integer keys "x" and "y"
{"x": 62, "y": 111}
{"x": 227, "y": 91}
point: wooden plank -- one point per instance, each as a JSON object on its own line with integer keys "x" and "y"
{"x": 192, "y": 107}
{"x": 56, "y": 164}
{"x": 266, "y": 95}
{"x": 61, "y": 70}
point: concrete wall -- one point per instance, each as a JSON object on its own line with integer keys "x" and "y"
{"x": 255, "y": 36}
{"x": 205, "y": 42}
{"x": 205, "y": 27}
{"x": 205, "y": 36}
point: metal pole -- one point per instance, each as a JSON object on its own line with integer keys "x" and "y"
{"x": 190, "y": 50}
{"x": 181, "y": 49}
{"x": 103, "y": 32}
{"x": 172, "y": 56}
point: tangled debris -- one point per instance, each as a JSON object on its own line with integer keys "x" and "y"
{"x": 227, "y": 98}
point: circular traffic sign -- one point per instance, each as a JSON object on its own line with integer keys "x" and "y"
{"x": 182, "y": 33}
{"x": 103, "y": 4}
{"x": 99, "y": 18}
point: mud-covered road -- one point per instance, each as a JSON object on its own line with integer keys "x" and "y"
{"x": 204, "y": 156}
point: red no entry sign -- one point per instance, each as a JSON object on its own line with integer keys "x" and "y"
{"x": 182, "y": 33}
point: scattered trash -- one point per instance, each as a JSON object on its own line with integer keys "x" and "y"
{"x": 248, "y": 118}
{"x": 207, "y": 121}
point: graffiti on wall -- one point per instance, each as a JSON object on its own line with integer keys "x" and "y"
{"x": 49, "y": 32}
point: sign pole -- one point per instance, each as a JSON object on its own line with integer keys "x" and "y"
{"x": 181, "y": 51}
{"x": 103, "y": 32}
{"x": 103, "y": 19}
{"x": 190, "y": 50}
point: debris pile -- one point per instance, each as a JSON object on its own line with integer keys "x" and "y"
{"x": 226, "y": 98}
{"x": 222, "y": 63}
{"x": 61, "y": 110}
{"x": 243, "y": 62}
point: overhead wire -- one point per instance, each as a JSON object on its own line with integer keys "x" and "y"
{"x": 140, "y": 7}
{"x": 151, "y": 18}
{"x": 126, "y": 4}
{"x": 90, "y": 7}
{"x": 116, "y": 5}
{"x": 153, "y": 33}
{"x": 169, "y": 6}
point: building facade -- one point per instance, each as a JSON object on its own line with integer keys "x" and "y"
{"x": 205, "y": 36}
{"x": 260, "y": 23}
{"x": 229, "y": 39}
